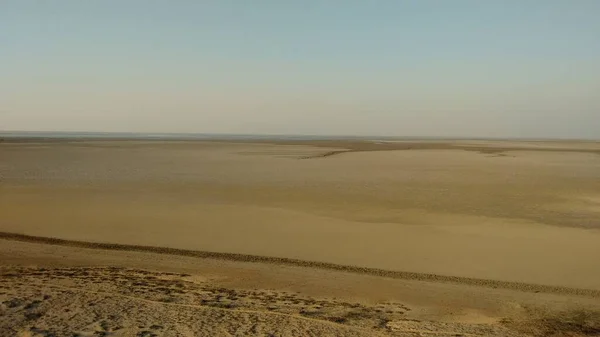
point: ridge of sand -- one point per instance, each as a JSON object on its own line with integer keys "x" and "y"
{"x": 526, "y": 287}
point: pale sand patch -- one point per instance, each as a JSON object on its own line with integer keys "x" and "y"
{"x": 586, "y": 203}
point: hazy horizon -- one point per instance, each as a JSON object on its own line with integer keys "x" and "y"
{"x": 512, "y": 69}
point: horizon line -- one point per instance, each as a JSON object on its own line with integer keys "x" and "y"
{"x": 20, "y": 134}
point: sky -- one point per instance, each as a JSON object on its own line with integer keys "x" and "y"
{"x": 511, "y": 68}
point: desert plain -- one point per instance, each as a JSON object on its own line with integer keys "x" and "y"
{"x": 299, "y": 237}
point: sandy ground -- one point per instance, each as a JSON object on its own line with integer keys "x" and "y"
{"x": 54, "y": 290}
{"x": 519, "y": 218}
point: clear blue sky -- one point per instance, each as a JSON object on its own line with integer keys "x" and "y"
{"x": 518, "y": 68}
